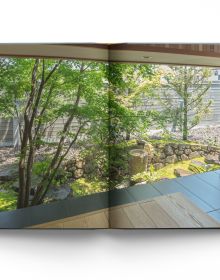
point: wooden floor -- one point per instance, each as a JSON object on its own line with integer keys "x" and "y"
{"x": 168, "y": 211}
{"x": 201, "y": 189}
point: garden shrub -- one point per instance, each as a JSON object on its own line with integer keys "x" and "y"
{"x": 8, "y": 201}
{"x": 81, "y": 187}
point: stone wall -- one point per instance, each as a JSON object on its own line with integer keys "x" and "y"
{"x": 173, "y": 152}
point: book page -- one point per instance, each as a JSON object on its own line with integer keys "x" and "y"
{"x": 54, "y": 119}
{"x": 164, "y": 137}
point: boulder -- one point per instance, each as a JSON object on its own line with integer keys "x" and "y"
{"x": 168, "y": 150}
{"x": 194, "y": 155}
{"x": 178, "y": 152}
{"x": 195, "y": 147}
{"x": 212, "y": 159}
{"x": 182, "y": 172}
{"x": 162, "y": 156}
{"x": 124, "y": 184}
{"x": 59, "y": 193}
{"x": 181, "y": 147}
{"x": 184, "y": 157}
{"x": 35, "y": 180}
{"x": 158, "y": 166}
{"x": 187, "y": 151}
{"x": 171, "y": 159}
{"x": 8, "y": 172}
{"x": 174, "y": 145}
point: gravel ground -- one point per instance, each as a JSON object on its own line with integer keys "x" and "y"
{"x": 204, "y": 135}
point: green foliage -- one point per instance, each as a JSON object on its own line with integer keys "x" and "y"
{"x": 83, "y": 187}
{"x": 40, "y": 167}
{"x": 146, "y": 176}
{"x": 128, "y": 85}
{"x": 190, "y": 85}
{"x": 8, "y": 201}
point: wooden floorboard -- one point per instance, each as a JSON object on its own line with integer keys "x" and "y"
{"x": 215, "y": 214}
{"x": 137, "y": 217}
{"x": 191, "y": 210}
{"x": 159, "y": 217}
{"x": 180, "y": 217}
{"x": 172, "y": 186}
{"x": 170, "y": 211}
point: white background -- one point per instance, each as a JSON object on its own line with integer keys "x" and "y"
{"x": 137, "y": 254}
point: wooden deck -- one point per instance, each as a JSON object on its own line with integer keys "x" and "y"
{"x": 168, "y": 211}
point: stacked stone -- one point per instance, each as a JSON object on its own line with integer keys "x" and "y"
{"x": 174, "y": 152}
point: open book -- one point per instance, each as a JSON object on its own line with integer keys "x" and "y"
{"x": 109, "y": 136}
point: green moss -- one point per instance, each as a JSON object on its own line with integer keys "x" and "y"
{"x": 82, "y": 187}
{"x": 165, "y": 172}
{"x": 168, "y": 171}
{"x": 125, "y": 144}
{"x": 8, "y": 201}
{"x": 168, "y": 141}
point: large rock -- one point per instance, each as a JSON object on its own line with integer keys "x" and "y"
{"x": 187, "y": 151}
{"x": 158, "y": 166}
{"x": 137, "y": 161}
{"x": 162, "y": 156}
{"x": 168, "y": 150}
{"x": 195, "y": 148}
{"x": 181, "y": 147}
{"x": 182, "y": 172}
{"x": 171, "y": 159}
{"x": 35, "y": 180}
{"x": 212, "y": 159}
{"x": 194, "y": 154}
{"x": 124, "y": 184}
{"x": 8, "y": 172}
{"x": 59, "y": 193}
{"x": 184, "y": 157}
{"x": 178, "y": 152}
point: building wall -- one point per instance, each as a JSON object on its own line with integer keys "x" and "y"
{"x": 6, "y": 132}
{"x": 213, "y": 118}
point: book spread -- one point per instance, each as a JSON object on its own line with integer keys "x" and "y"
{"x": 109, "y": 136}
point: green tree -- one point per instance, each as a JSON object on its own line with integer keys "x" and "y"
{"x": 183, "y": 92}
{"x": 129, "y": 84}
{"x": 38, "y": 92}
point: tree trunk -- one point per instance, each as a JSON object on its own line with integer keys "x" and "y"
{"x": 185, "y": 108}
{"x": 185, "y": 122}
{"x": 21, "y": 171}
